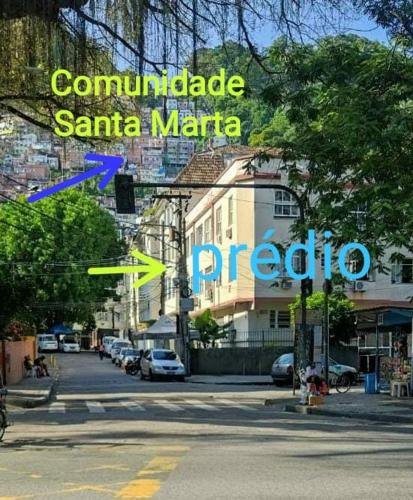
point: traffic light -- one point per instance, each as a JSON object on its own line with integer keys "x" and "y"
{"x": 308, "y": 286}
{"x": 124, "y": 193}
{"x": 328, "y": 287}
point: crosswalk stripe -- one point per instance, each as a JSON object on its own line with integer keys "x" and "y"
{"x": 201, "y": 405}
{"x": 95, "y": 407}
{"x": 57, "y": 408}
{"x": 132, "y": 406}
{"x": 168, "y": 406}
{"x": 228, "y": 402}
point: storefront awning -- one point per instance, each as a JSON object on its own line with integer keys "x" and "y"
{"x": 164, "y": 328}
{"x": 383, "y": 316}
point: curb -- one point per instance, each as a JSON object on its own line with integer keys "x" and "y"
{"x": 34, "y": 402}
{"x": 373, "y": 417}
{"x": 229, "y": 383}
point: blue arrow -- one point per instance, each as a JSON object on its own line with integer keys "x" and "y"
{"x": 111, "y": 164}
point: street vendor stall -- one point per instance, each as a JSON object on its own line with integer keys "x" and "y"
{"x": 385, "y": 347}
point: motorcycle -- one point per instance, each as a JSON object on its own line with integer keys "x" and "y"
{"x": 133, "y": 367}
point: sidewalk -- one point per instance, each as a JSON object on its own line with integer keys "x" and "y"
{"x": 32, "y": 392}
{"x": 230, "y": 379}
{"x": 357, "y": 404}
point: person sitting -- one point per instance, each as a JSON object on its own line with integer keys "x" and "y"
{"x": 41, "y": 367}
{"x": 28, "y": 366}
{"x": 312, "y": 378}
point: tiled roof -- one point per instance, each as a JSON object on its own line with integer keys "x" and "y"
{"x": 203, "y": 167}
{"x": 207, "y": 166}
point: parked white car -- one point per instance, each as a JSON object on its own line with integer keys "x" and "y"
{"x": 117, "y": 346}
{"x": 126, "y": 352}
{"x": 70, "y": 344}
{"x": 47, "y": 342}
{"x": 107, "y": 342}
{"x": 162, "y": 363}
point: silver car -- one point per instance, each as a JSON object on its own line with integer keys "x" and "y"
{"x": 283, "y": 368}
{"x": 162, "y": 363}
{"x": 117, "y": 346}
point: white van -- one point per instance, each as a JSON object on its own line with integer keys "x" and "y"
{"x": 47, "y": 342}
{"x": 107, "y": 342}
{"x": 69, "y": 343}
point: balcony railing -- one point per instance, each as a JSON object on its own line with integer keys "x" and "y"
{"x": 282, "y": 337}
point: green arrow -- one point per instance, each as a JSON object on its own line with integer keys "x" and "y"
{"x": 152, "y": 268}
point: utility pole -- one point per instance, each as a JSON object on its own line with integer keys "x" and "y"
{"x": 326, "y": 330}
{"x": 162, "y": 311}
{"x": 182, "y": 277}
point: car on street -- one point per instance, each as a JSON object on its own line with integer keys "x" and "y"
{"x": 107, "y": 342}
{"x": 162, "y": 363}
{"x": 69, "y": 344}
{"x": 283, "y": 368}
{"x": 126, "y": 352}
{"x": 117, "y": 346}
{"x": 47, "y": 342}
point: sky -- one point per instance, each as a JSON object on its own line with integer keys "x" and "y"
{"x": 363, "y": 27}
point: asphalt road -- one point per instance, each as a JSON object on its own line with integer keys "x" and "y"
{"x": 107, "y": 435}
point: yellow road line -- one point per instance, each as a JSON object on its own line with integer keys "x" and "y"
{"x": 140, "y": 488}
{"x": 147, "y": 487}
{"x": 158, "y": 465}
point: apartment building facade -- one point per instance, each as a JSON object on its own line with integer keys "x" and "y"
{"x": 234, "y": 216}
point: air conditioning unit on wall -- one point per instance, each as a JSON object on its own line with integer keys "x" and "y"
{"x": 359, "y": 286}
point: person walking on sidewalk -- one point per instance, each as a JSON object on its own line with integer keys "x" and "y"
{"x": 101, "y": 351}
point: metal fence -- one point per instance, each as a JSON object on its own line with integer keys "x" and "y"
{"x": 283, "y": 337}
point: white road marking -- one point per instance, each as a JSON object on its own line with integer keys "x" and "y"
{"x": 95, "y": 407}
{"x": 57, "y": 408}
{"x": 228, "y": 402}
{"x": 132, "y": 406}
{"x": 169, "y": 406}
{"x": 201, "y": 405}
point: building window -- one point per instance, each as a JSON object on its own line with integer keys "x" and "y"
{"x": 207, "y": 230}
{"x": 296, "y": 262}
{"x": 198, "y": 235}
{"x": 208, "y": 284}
{"x": 273, "y": 317}
{"x": 402, "y": 271}
{"x": 283, "y": 319}
{"x": 284, "y": 204}
{"x": 230, "y": 211}
{"x": 356, "y": 265}
{"x": 359, "y": 214}
{"x": 218, "y": 281}
{"x": 218, "y": 217}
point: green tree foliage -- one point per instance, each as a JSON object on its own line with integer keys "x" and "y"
{"x": 45, "y": 251}
{"x": 237, "y": 60}
{"x": 349, "y": 103}
{"x": 339, "y": 307}
{"x": 208, "y": 328}
{"x": 396, "y": 16}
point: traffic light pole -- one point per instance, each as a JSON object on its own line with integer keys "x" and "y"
{"x": 182, "y": 278}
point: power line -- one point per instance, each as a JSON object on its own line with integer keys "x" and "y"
{"x": 22, "y": 205}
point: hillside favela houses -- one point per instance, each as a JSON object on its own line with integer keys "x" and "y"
{"x": 247, "y": 308}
